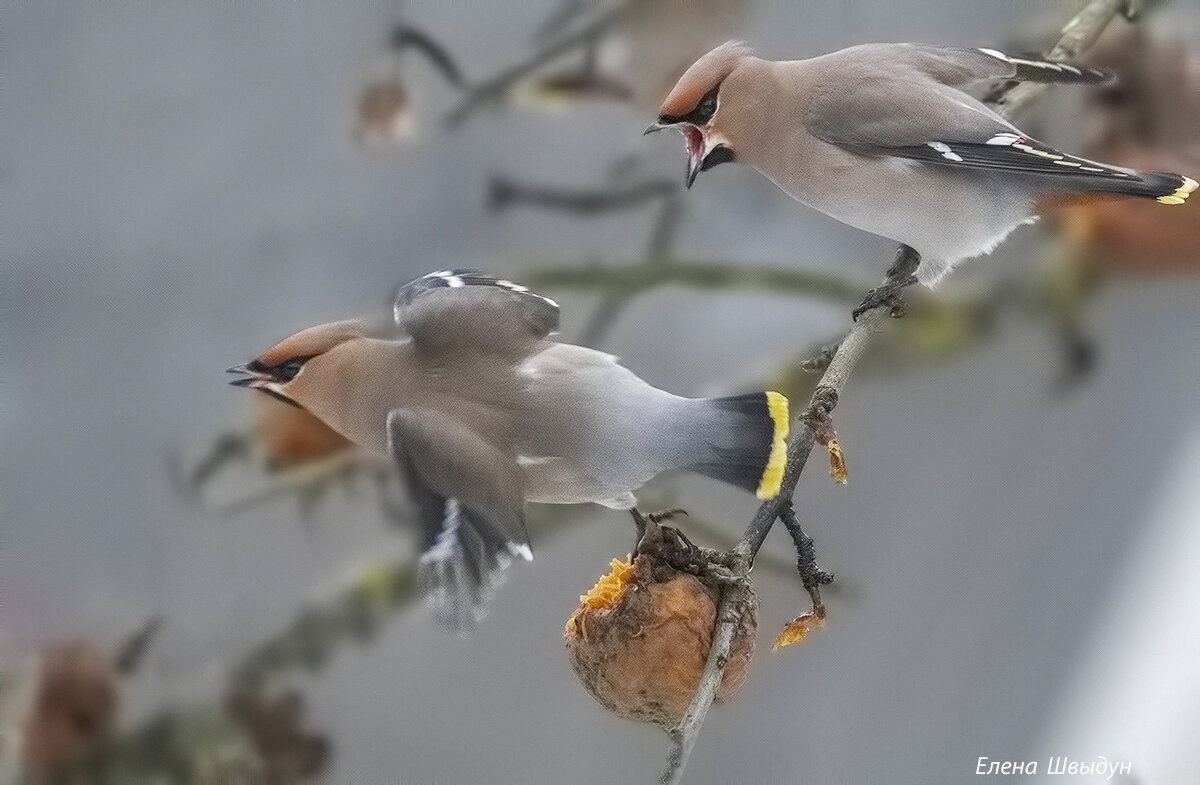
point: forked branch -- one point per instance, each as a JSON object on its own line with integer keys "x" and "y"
{"x": 1079, "y": 34}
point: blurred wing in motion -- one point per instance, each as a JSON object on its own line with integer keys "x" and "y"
{"x": 466, "y": 309}
{"x": 472, "y": 512}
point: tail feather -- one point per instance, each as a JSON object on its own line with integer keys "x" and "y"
{"x": 1183, "y": 186}
{"x": 744, "y": 442}
{"x": 1166, "y": 187}
{"x": 1059, "y": 173}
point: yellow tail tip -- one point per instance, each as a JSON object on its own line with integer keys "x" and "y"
{"x": 1180, "y": 194}
{"x": 768, "y": 486}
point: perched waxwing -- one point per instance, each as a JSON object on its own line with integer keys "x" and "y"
{"x": 483, "y": 411}
{"x": 882, "y": 137}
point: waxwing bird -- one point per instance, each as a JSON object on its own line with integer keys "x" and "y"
{"x": 483, "y": 411}
{"x": 882, "y": 137}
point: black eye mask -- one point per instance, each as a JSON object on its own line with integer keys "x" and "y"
{"x": 703, "y": 112}
{"x": 287, "y": 370}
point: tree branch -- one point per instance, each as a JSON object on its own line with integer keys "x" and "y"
{"x": 495, "y": 87}
{"x": 360, "y": 608}
{"x": 1077, "y": 37}
{"x": 1080, "y": 33}
{"x": 734, "y": 598}
{"x": 504, "y": 193}
{"x": 641, "y": 276}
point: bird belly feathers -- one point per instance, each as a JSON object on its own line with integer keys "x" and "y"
{"x": 592, "y": 431}
{"x": 921, "y": 205}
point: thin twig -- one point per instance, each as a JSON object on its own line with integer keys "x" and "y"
{"x": 659, "y": 253}
{"x": 494, "y": 88}
{"x": 644, "y": 275}
{"x": 561, "y": 18}
{"x": 1079, "y": 34}
{"x": 361, "y": 607}
{"x": 1077, "y": 37}
{"x": 812, "y": 577}
{"x": 822, "y": 359}
{"x": 665, "y": 231}
{"x": 603, "y": 318}
{"x": 504, "y": 193}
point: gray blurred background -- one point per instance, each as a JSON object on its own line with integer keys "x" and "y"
{"x": 181, "y": 188}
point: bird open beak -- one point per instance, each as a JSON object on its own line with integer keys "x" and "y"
{"x": 257, "y": 380}
{"x": 696, "y": 140}
{"x": 251, "y": 378}
{"x": 697, "y": 145}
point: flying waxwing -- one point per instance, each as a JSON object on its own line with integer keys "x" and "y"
{"x": 483, "y": 411}
{"x": 882, "y": 137}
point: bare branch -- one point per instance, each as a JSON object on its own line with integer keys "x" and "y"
{"x": 645, "y": 275}
{"x": 494, "y": 88}
{"x": 504, "y": 193}
{"x": 742, "y": 555}
{"x": 1077, "y": 37}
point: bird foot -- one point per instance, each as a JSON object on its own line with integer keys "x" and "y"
{"x": 890, "y": 295}
{"x": 640, "y": 521}
{"x": 667, "y": 515}
{"x": 724, "y": 576}
{"x": 900, "y": 276}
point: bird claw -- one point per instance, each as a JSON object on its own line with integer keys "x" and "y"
{"x": 641, "y": 519}
{"x": 891, "y": 294}
{"x": 727, "y": 577}
{"x": 900, "y": 276}
{"x": 666, "y": 515}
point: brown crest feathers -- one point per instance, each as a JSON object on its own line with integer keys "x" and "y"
{"x": 314, "y": 341}
{"x": 703, "y": 75}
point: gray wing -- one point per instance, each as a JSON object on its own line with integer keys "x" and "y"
{"x": 878, "y": 96}
{"x": 901, "y": 100}
{"x": 466, "y": 309}
{"x": 472, "y": 511}
{"x": 958, "y": 67}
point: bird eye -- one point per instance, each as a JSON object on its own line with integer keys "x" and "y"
{"x": 707, "y": 106}
{"x": 288, "y": 370}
